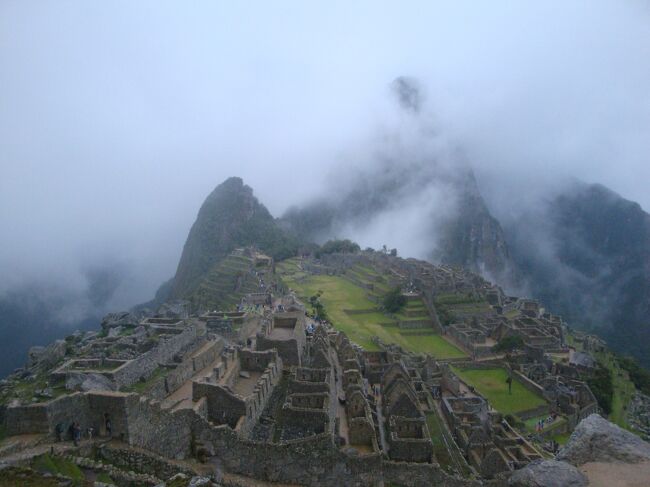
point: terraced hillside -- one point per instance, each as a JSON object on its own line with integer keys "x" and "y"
{"x": 225, "y": 283}
{"x": 352, "y": 304}
{"x": 454, "y": 307}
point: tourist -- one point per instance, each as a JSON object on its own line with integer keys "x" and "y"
{"x": 76, "y": 433}
{"x": 59, "y": 431}
{"x": 90, "y": 432}
{"x": 108, "y": 425}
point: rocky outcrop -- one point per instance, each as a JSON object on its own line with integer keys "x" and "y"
{"x": 88, "y": 382}
{"x": 548, "y": 473}
{"x": 47, "y": 356}
{"x": 113, "y": 320}
{"x": 471, "y": 237}
{"x": 597, "y": 440}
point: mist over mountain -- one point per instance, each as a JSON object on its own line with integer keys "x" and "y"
{"x": 413, "y": 189}
{"x": 118, "y": 119}
{"x": 40, "y": 312}
{"x": 586, "y": 255}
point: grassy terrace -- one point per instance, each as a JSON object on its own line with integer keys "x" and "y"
{"x": 491, "y": 383}
{"x": 56, "y": 465}
{"x": 143, "y": 386}
{"x": 444, "y": 450}
{"x": 622, "y": 385}
{"x": 340, "y": 296}
{"x": 623, "y": 389}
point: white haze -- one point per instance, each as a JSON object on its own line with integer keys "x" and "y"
{"x": 118, "y": 118}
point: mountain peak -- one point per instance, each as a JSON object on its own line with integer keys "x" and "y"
{"x": 230, "y": 217}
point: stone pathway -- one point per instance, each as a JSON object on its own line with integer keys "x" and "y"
{"x": 340, "y": 408}
{"x": 381, "y": 421}
{"x": 182, "y": 397}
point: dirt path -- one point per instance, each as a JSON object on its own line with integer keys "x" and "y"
{"x": 617, "y": 474}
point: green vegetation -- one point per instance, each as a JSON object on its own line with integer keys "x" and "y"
{"x": 512, "y": 313}
{"x": 57, "y": 465}
{"x": 317, "y": 307}
{"x": 26, "y": 477}
{"x": 562, "y": 438}
{"x": 26, "y": 389}
{"x": 622, "y": 388}
{"x": 638, "y": 375}
{"x": 225, "y": 283}
{"x": 230, "y": 217}
{"x": 457, "y": 298}
{"x": 613, "y": 388}
{"x": 491, "y": 383}
{"x": 127, "y": 331}
{"x": 603, "y": 388}
{"x": 508, "y": 344}
{"x": 350, "y": 310}
{"x": 105, "y": 478}
{"x": 452, "y": 306}
{"x": 434, "y": 344}
{"x": 448, "y": 457}
{"x": 143, "y": 386}
{"x": 530, "y": 423}
{"x": 337, "y": 247}
{"x": 394, "y": 301}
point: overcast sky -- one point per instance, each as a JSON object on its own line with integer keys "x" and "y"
{"x": 118, "y": 118}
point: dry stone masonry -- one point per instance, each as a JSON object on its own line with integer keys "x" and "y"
{"x": 268, "y": 392}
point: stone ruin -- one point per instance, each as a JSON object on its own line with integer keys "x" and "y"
{"x": 252, "y": 390}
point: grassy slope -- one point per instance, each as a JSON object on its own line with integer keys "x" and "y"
{"x": 57, "y": 465}
{"x": 491, "y": 383}
{"x": 623, "y": 389}
{"x": 339, "y": 294}
{"x": 623, "y": 386}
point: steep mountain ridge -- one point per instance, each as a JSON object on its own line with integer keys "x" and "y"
{"x": 464, "y": 233}
{"x": 230, "y": 217}
{"x": 586, "y": 254}
{"x": 473, "y": 238}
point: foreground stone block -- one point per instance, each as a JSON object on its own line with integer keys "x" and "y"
{"x": 597, "y": 440}
{"x": 548, "y": 473}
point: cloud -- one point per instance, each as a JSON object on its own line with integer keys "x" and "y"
{"x": 116, "y": 120}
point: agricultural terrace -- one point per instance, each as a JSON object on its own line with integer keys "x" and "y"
{"x": 351, "y": 310}
{"x": 452, "y": 307}
{"x": 492, "y": 385}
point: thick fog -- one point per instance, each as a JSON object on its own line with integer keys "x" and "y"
{"x": 118, "y": 118}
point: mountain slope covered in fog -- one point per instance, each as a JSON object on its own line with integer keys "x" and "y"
{"x": 442, "y": 212}
{"x": 586, "y": 255}
{"x": 585, "y": 252}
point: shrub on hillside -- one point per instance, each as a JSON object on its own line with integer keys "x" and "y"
{"x": 638, "y": 375}
{"x": 601, "y": 385}
{"x": 394, "y": 300}
{"x": 338, "y": 247}
{"x": 509, "y": 343}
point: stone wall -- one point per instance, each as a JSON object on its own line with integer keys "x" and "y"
{"x": 162, "y": 353}
{"x": 21, "y": 420}
{"x": 222, "y": 405}
{"x": 361, "y": 432}
{"x": 140, "y": 461}
{"x": 165, "y": 432}
{"x": 289, "y": 350}
{"x": 425, "y": 323}
{"x": 313, "y": 461}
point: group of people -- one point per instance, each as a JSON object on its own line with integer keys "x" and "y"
{"x": 539, "y": 426}
{"x": 74, "y": 430}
